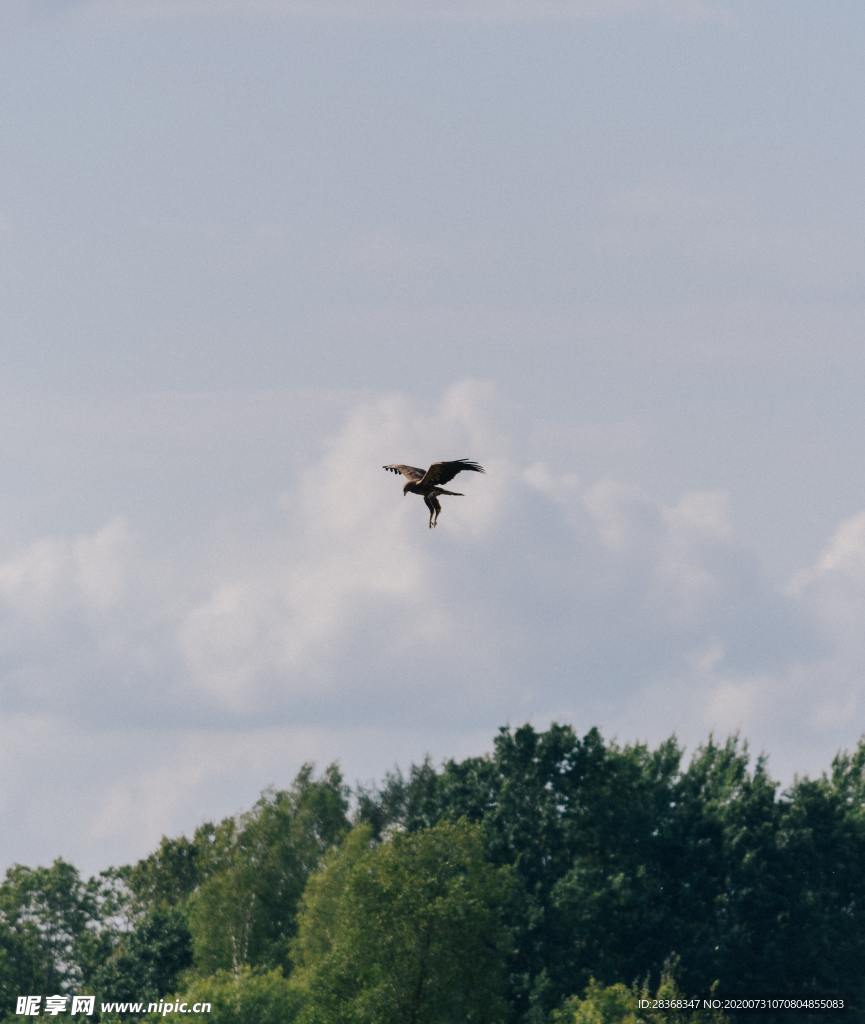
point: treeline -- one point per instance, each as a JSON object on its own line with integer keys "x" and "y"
{"x": 557, "y": 880}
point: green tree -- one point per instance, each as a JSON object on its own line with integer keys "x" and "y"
{"x": 688, "y": 873}
{"x": 24, "y": 966}
{"x": 52, "y": 928}
{"x": 622, "y": 856}
{"x": 569, "y": 814}
{"x": 244, "y": 910}
{"x": 407, "y": 932}
{"x": 817, "y": 945}
{"x": 244, "y": 996}
{"x": 147, "y": 961}
{"x": 621, "y": 1004}
{"x": 172, "y": 872}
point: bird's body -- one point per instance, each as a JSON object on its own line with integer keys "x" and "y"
{"x": 427, "y": 482}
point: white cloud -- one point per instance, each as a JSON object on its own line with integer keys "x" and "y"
{"x": 703, "y": 514}
{"x": 556, "y": 486}
{"x": 843, "y": 558}
{"x": 732, "y": 703}
{"x": 353, "y": 552}
{"x": 49, "y": 575}
{"x": 623, "y": 515}
{"x": 833, "y": 589}
{"x": 344, "y": 617}
{"x": 832, "y": 594}
{"x": 534, "y": 580}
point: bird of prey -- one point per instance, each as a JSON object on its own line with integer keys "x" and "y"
{"x": 428, "y": 482}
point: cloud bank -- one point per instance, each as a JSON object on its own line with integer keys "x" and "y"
{"x": 350, "y": 631}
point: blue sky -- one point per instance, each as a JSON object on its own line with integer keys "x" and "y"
{"x": 253, "y": 251}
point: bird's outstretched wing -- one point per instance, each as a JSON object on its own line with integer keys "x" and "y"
{"x": 442, "y": 472}
{"x": 409, "y": 472}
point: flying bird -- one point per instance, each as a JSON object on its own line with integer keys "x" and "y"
{"x": 428, "y": 482}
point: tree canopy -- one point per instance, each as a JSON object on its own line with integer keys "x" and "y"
{"x": 386, "y": 931}
{"x": 552, "y": 881}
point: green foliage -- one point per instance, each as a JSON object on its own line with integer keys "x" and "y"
{"x": 240, "y": 997}
{"x": 324, "y": 899}
{"x": 51, "y": 929}
{"x": 146, "y": 962}
{"x": 556, "y": 864}
{"x": 697, "y": 848}
{"x": 244, "y": 910}
{"x": 819, "y": 941}
{"x": 408, "y": 932}
{"x": 576, "y": 818}
{"x": 621, "y": 1004}
{"x": 24, "y": 965}
{"x": 624, "y": 857}
{"x": 171, "y": 873}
